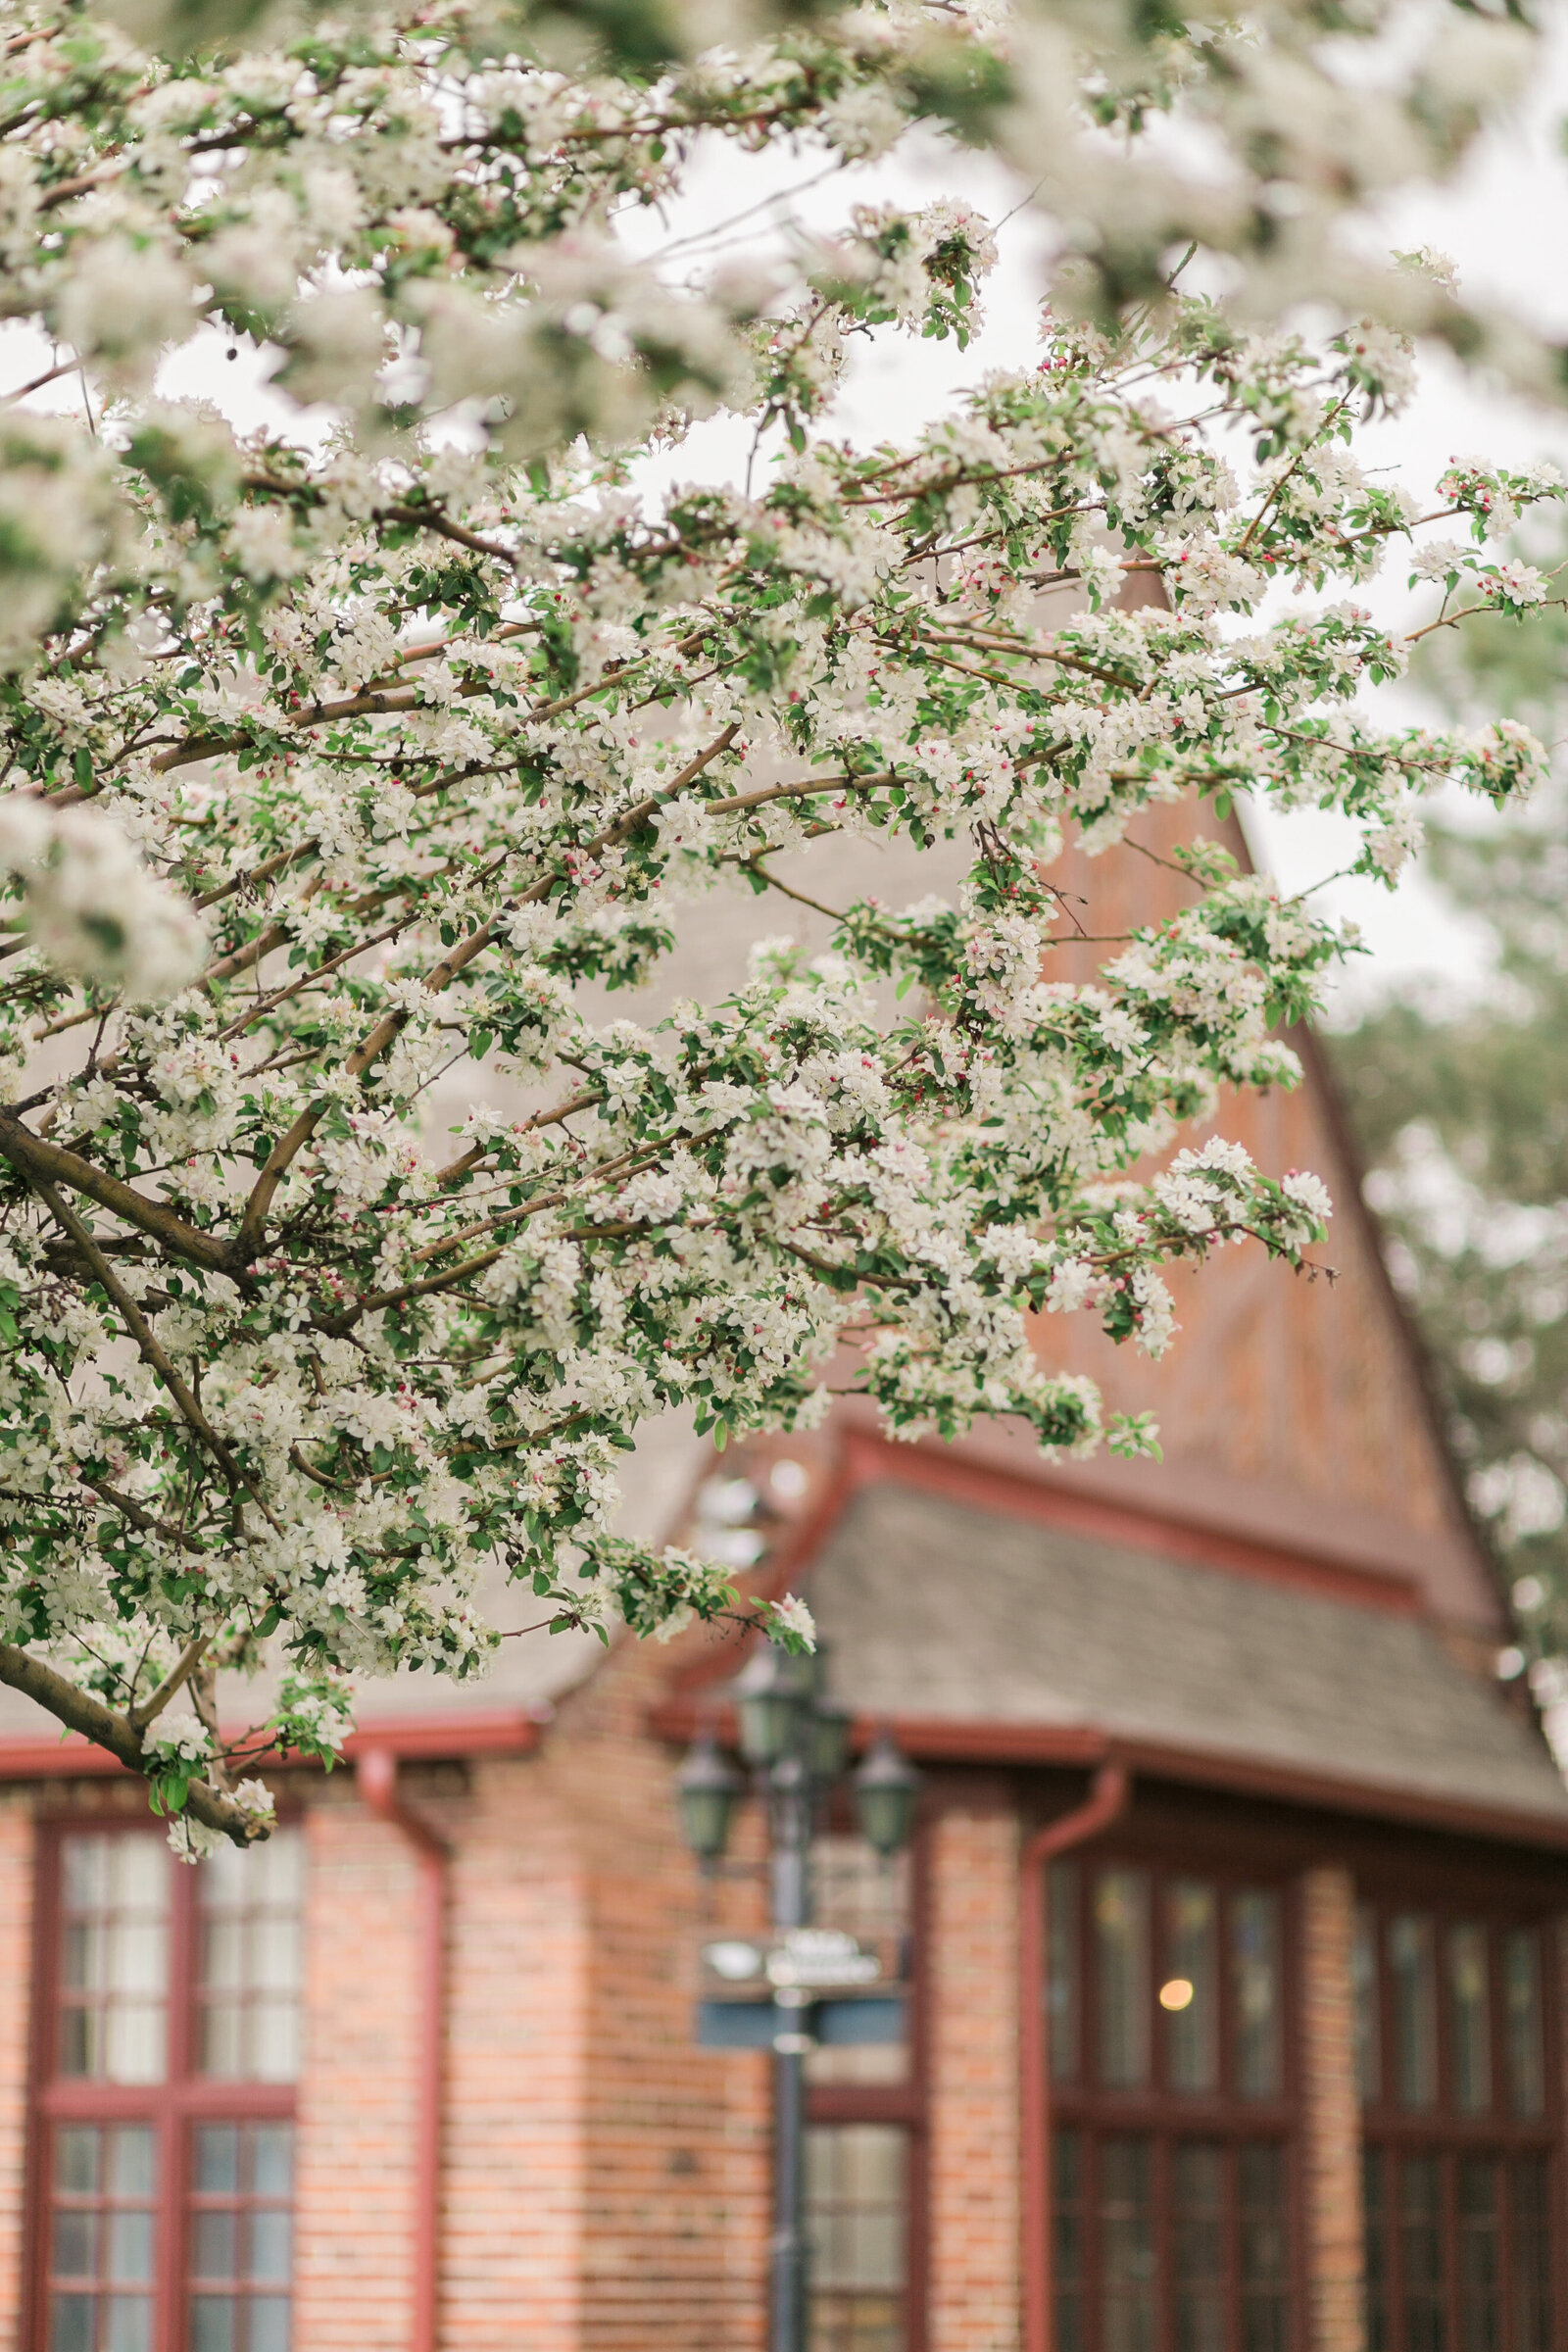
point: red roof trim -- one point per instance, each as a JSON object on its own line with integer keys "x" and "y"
{"x": 957, "y": 1740}
{"x": 409, "y": 1738}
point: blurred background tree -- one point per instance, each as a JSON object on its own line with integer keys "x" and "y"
{"x": 1459, "y": 1098}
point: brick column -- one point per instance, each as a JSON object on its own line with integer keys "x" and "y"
{"x": 1332, "y": 2116}
{"x": 355, "y": 2180}
{"x": 973, "y": 1978}
{"x": 16, "y": 1975}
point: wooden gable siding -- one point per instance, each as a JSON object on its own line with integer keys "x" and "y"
{"x": 1308, "y": 1396}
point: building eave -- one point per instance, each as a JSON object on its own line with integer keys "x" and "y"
{"x": 1081, "y": 1746}
{"x": 413, "y": 1739}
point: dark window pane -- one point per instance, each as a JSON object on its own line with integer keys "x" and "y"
{"x": 75, "y": 2251}
{"x": 79, "y": 2043}
{"x": 1375, "y": 2197}
{"x": 1532, "y": 2253}
{"x": 1063, "y": 1991}
{"x": 1190, "y": 1993}
{"x": 1368, "y": 2012}
{"x": 133, "y": 2161}
{"x": 270, "y": 2327}
{"x": 217, "y": 2160}
{"x": 1521, "y": 1978}
{"x": 273, "y": 2160}
{"x": 1197, "y": 2181}
{"x": 131, "y": 2248}
{"x": 1413, "y": 1976}
{"x": 1067, "y": 2239}
{"x": 130, "y": 2324}
{"x": 1263, "y": 2253}
{"x": 1480, "y": 2254}
{"x": 73, "y": 2324}
{"x": 1421, "y": 2253}
{"x": 1470, "y": 2017}
{"x": 211, "y": 2323}
{"x": 214, "y": 2245}
{"x": 272, "y": 2246}
{"x": 76, "y": 2154}
{"x": 1256, "y": 1984}
{"x": 1121, "y": 1973}
{"x": 1127, "y": 2301}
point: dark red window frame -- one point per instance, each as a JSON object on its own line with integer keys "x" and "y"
{"x": 904, "y": 2104}
{"x": 1165, "y": 2120}
{"x": 172, "y": 2106}
{"x": 1447, "y": 2134}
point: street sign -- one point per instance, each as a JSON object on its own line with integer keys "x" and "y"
{"x": 806, "y": 1959}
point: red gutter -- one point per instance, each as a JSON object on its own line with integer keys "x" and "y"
{"x": 497, "y": 1732}
{"x": 1107, "y": 1800}
{"x": 378, "y": 1774}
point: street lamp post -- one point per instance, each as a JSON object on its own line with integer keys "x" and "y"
{"x": 797, "y": 1741}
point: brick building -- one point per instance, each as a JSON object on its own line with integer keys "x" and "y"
{"x": 1233, "y": 2012}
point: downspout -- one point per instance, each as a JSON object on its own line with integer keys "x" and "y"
{"x": 1107, "y": 1800}
{"x": 377, "y": 1774}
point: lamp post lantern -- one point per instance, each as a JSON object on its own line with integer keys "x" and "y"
{"x": 795, "y": 1738}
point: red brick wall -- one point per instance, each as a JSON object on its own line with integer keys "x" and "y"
{"x": 972, "y": 1964}
{"x": 517, "y": 1942}
{"x": 677, "y": 2139}
{"x": 16, "y": 1986}
{"x": 1331, "y": 2136}
{"x": 604, "y": 2182}
{"x": 357, "y": 2091}
{"x": 512, "y": 2189}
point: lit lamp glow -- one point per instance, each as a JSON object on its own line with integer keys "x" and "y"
{"x": 1176, "y": 1994}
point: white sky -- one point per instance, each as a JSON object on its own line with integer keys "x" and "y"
{"x": 1505, "y": 225}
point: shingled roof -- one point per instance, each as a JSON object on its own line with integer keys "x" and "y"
{"x": 940, "y": 1610}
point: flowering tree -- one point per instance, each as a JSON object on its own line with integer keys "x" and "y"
{"x": 417, "y": 730}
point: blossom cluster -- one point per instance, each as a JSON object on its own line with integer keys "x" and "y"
{"x": 426, "y": 739}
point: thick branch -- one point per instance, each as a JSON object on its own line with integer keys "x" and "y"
{"x": 44, "y": 1163}
{"x": 79, "y": 1711}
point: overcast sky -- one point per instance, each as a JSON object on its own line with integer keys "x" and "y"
{"x": 1504, "y": 223}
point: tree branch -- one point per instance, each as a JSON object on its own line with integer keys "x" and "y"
{"x": 152, "y": 1352}
{"x": 184, "y": 1666}
{"x": 44, "y": 1163}
{"x": 80, "y": 1711}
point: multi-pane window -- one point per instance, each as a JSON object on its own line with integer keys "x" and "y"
{"x": 163, "y": 2133}
{"x": 1452, "y": 2036}
{"x": 113, "y": 1958}
{"x": 1166, "y": 2003}
{"x": 241, "y": 2237}
{"x": 857, "y": 2201}
{"x": 103, "y": 2238}
{"x": 866, "y": 2114}
{"x": 248, "y": 1987}
{"x": 853, "y": 1889}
